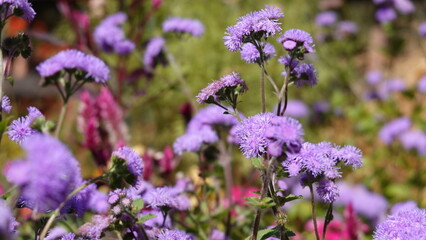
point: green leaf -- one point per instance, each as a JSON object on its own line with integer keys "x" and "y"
{"x": 11, "y": 80}
{"x": 266, "y": 202}
{"x": 257, "y": 163}
{"x": 138, "y": 205}
{"x": 289, "y": 198}
{"x": 145, "y": 218}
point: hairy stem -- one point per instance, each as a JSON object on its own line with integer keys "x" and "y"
{"x": 314, "y": 215}
{"x": 61, "y": 119}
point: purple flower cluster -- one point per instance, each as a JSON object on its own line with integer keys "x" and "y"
{"x": 153, "y": 50}
{"x": 297, "y": 109}
{"x": 326, "y": 19}
{"x": 422, "y": 29}
{"x": 44, "y": 190}
{"x": 110, "y": 37}
{"x": 8, "y": 223}
{"x": 250, "y": 54}
{"x": 92, "y": 67}
{"x": 164, "y": 198}
{"x": 381, "y": 88}
{"x": 331, "y": 28}
{"x": 183, "y": 25}
{"x": 25, "y": 8}
{"x": 296, "y": 38}
{"x": 213, "y": 91}
{"x": 193, "y": 141}
{"x": 174, "y": 235}
{"x": 394, "y": 129}
{"x": 134, "y": 163}
{"x": 414, "y": 140}
{"x": 20, "y": 129}
{"x": 252, "y": 27}
{"x": 405, "y": 224}
{"x": 300, "y": 73}
{"x": 5, "y": 104}
{"x": 386, "y": 11}
{"x": 421, "y": 85}
{"x": 87, "y": 199}
{"x": 94, "y": 229}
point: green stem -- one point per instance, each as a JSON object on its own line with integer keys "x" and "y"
{"x": 314, "y": 215}
{"x": 71, "y": 195}
{"x": 262, "y": 91}
{"x": 61, "y": 119}
{"x": 201, "y": 232}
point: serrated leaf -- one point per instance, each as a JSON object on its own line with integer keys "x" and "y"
{"x": 145, "y": 218}
{"x": 289, "y": 198}
{"x": 266, "y": 202}
{"x": 257, "y": 163}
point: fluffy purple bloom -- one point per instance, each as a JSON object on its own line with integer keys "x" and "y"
{"x": 297, "y": 109}
{"x": 405, "y": 224}
{"x": 385, "y": 15}
{"x": 133, "y": 161}
{"x": 395, "y": 85}
{"x": 264, "y": 23}
{"x": 373, "y": 77}
{"x": 5, "y": 104}
{"x": 94, "y": 228}
{"x": 326, "y": 18}
{"x": 183, "y": 25}
{"x": 20, "y": 129}
{"x": 305, "y": 74}
{"x": 25, "y": 8}
{"x": 421, "y": 85}
{"x": 194, "y": 140}
{"x": 8, "y": 223}
{"x": 346, "y": 28}
{"x": 367, "y": 203}
{"x": 217, "y": 235}
{"x": 422, "y": 29}
{"x": 166, "y": 234}
{"x": 55, "y": 233}
{"x": 403, "y": 206}
{"x": 211, "y": 116}
{"x": 47, "y": 174}
{"x": 167, "y": 198}
{"x": 393, "y": 129}
{"x": 294, "y": 38}
{"x": 285, "y": 132}
{"x": 68, "y": 236}
{"x": 88, "y": 199}
{"x": 92, "y": 67}
{"x": 153, "y": 49}
{"x": 157, "y": 221}
{"x": 404, "y": 6}
{"x": 321, "y": 106}
{"x": 327, "y": 190}
{"x": 250, "y": 54}
{"x": 414, "y": 140}
{"x": 213, "y": 89}
{"x": 288, "y": 61}
{"x": 110, "y": 37}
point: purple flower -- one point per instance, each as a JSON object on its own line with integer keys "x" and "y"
{"x": 110, "y": 37}
{"x": 193, "y": 141}
{"x": 404, "y": 6}
{"x": 183, "y": 25}
{"x": 47, "y": 174}
{"x": 166, "y": 234}
{"x": 55, "y": 233}
{"x": 217, "y": 235}
{"x": 327, "y": 190}
{"x": 68, "y": 236}
{"x": 211, "y": 116}
{"x": 403, "y": 206}
{"x": 395, "y": 85}
{"x": 250, "y": 54}
{"x": 406, "y": 224}
{"x": 20, "y": 129}
{"x": 373, "y": 77}
{"x": 8, "y": 223}
{"x": 153, "y": 50}
{"x": 414, "y": 140}
{"x": 92, "y": 67}
{"x": 94, "y": 229}
{"x": 346, "y": 28}
{"x": 286, "y": 132}
{"x": 288, "y": 61}
{"x": 258, "y": 24}
{"x": 157, "y": 221}
{"x": 294, "y": 38}
{"x": 164, "y": 198}
{"x": 421, "y": 85}
{"x": 326, "y": 19}
{"x": 87, "y": 199}
{"x": 134, "y": 163}
{"x": 385, "y": 15}
{"x": 25, "y": 8}
{"x": 212, "y": 91}
{"x": 297, "y": 109}
{"x": 5, "y": 104}
{"x": 422, "y": 29}
{"x": 393, "y": 129}
{"x": 305, "y": 74}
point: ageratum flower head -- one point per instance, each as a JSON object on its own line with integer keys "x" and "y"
{"x": 285, "y": 134}
{"x": 297, "y": 40}
{"x": 167, "y": 234}
{"x": 327, "y": 190}
{"x": 405, "y": 224}
{"x": 226, "y": 89}
{"x": 211, "y": 116}
{"x": 20, "y": 8}
{"x": 183, "y": 25}
{"x": 153, "y": 52}
{"x": 421, "y": 85}
{"x": 422, "y": 29}
{"x": 110, "y": 36}
{"x": 166, "y": 198}
{"x": 5, "y": 104}
{"x": 48, "y": 173}
{"x": 250, "y": 54}
{"x": 20, "y": 129}
{"x": 304, "y": 74}
{"x": 326, "y": 19}
{"x": 85, "y": 66}
{"x": 127, "y": 167}
{"x": 253, "y": 27}
{"x": 94, "y": 228}
{"x": 193, "y": 140}
{"x": 393, "y": 129}
{"x": 8, "y": 223}
{"x": 414, "y": 140}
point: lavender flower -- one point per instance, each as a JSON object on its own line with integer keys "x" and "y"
{"x": 346, "y": 28}
{"x": 183, "y": 25}
{"x": 285, "y": 133}
{"x": 174, "y": 235}
{"x": 93, "y": 69}
{"x": 157, "y": 221}
{"x": 194, "y": 140}
{"x": 327, "y": 190}
{"x": 253, "y": 26}
{"x": 217, "y": 235}
{"x": 134, "y": 163}
{"x": 20, "y": 8}
{"x": 326, "y": 19}
{"x": 422, "y": 29}
{"x": 395, "y": 85}
{"x": 110, "y": 37}
{"x": 87, "y": 199}
{"x": 211, "y": 116}
{"x": 8, "y": 223}
{"x": 5, "y": 104}
{"x": 94, "y": 229}
{"x": 164, "y": 198}
{"x": 153, "y": 50}
{"x": 414, "y": 140}
{"x": 250, "y": 54}
{"x": 305, "y": 74}
{"x": 295, "y": 38}
{"x": 288, "y": 61}
{"x": 385, "y": 15}
{"x": 373, "y": 77}
{"x": 405, "y": 224}
{"x": 421, "y": 85}
{"x": 213, "y": 91}
{"x": 404, "y": 6}
{"x": 393, "y": 129}
{"x": 20, "y": 129}
{"x": 47, "y": 174}
{"x": 55, "y": 233}
{"x": 403, "y": 206}
{"x": 297, "y": 109}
